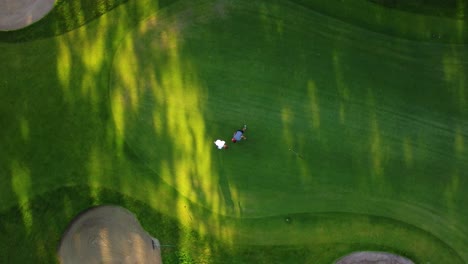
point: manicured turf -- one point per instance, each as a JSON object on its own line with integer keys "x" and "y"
{"x": 356, "y": 133}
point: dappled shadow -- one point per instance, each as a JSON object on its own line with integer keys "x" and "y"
{"x": 159, "y": 109}
{"x": 56, "y": 132}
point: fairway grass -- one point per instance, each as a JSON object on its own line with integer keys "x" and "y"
{"x": 357, "y": 133}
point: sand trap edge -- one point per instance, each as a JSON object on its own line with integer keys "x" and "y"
{"x": 18, "y": 14}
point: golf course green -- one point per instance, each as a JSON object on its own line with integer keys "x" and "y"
{"x": 356, "y": 114}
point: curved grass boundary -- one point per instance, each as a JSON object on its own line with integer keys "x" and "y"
{"x": 66, "y": 15}
{"x": 338, "y": 234}
{"x": 308, "y": 237}
{"x": 394, "y": 22}
{"x": 449, "y": 9}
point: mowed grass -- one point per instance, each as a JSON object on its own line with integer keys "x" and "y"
{"x": 357, "y": 136}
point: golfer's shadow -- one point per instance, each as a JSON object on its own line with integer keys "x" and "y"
{"x": 223, "y": 183}
{"x": 226, "y": 191}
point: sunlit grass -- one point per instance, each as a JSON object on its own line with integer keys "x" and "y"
{"x": 64, "y": 67}
{"x": 343, "y": 89}
{"x": 314, "y": 104}
{"x": 117, "y": 101}
{"x": 186, "y": 128}
{"x": 459, "y": 142}
{"x": 408, "y": 152}
{"x": 376, "y": 150}
{"x": 455, "y": 76}
{"x": 21, "y": 184}
{"x": 95, "y": 169}
{"x": 24, "y": 128}
{"x": 93, "y": 58}
{"x": 129, "y": 74}
{"x": 287, "y": 116}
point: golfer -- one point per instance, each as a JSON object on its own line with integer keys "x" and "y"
{"x": 239, "y": 134}
{"x": 221, "y": 144}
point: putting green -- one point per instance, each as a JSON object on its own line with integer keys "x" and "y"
{"x": 357, "y": 128}
{"x": 340, "y": 119}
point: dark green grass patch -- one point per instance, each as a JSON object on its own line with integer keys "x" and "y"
{"x": 428, "y": 21}
{"x": 449, "y": 8}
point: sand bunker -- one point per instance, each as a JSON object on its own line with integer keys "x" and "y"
{"x": 17, "y": 14}
{"x": 368, "y": 257}
{"x": 108, "y": 234}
